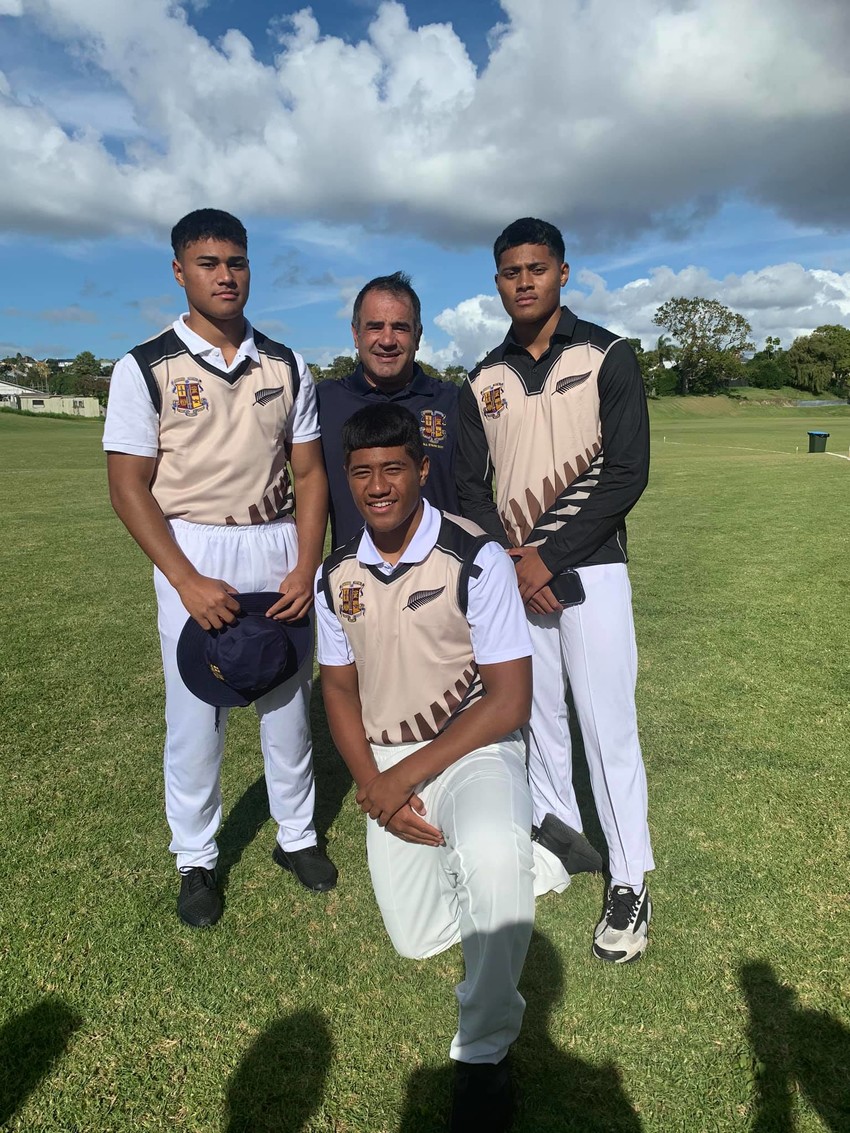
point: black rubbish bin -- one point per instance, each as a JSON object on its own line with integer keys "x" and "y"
{"x": 817, "y": 441}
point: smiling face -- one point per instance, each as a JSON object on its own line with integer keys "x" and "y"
{"x": 216, "y": 278}
{"x": 387, "y": 338}
{"x": 529, "y": 281}
{"x": 386, "y": 485}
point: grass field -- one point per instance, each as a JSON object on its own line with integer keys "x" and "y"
{"x": 294, "y": 1013}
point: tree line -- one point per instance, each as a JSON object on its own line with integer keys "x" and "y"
{"x": 706, "y": 349}
{"x": 344, "y": 364}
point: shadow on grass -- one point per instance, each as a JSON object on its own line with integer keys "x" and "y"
{"x": 30, "y": 1044}
{"x": 251, "y": 812}
{"x": 279, "y": 1083}
{"x": 557, "y": 1092}
{"x": 795, "y": 1049}
{"x": 241, "y": 827}
{"x": 582, "y": 787}
{"x": 333, "y": 781}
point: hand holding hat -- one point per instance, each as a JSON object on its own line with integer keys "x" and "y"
{"x": 239, "y": 663}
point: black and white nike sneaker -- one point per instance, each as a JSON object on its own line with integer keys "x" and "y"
{"x": 621, "y": 935}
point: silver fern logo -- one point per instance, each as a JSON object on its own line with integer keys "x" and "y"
{"x": 264, "y": 396}
{"x": 573, "y": 380}
{"x": 422, "y": 598}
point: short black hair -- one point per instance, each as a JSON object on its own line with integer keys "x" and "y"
{"x": 398, "y": 285}
{"x": 207, "y": 224}
{"x": 529, "y": 230}
{"x": 383, "y": 426}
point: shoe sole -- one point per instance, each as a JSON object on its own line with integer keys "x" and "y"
{"x": 620, "y": 957}
{"x": 570, "y": 846}
{"x": 279, "y": 858}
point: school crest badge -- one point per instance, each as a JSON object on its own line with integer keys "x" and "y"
{"x": 351, "y": 600}
{"x": 494, "y": 401}
{"x": 432, "y": 426}
{"x": 188, "y": 399}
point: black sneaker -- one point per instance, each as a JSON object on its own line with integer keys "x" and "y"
{"x": 199, "y": 903}
{"x": 621, "y": 935}
{"x": 311, "y": 866}
{"x": 571, "y": 846}
{"x": 483, "y": 1097}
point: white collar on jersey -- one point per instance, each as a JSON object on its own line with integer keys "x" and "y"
{"x": 204, "y": 349}
{"x": 419, "y": 547}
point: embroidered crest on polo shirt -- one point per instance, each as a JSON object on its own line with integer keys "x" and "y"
{"x": 188, "y": 400}
{"x": 351, "y": 600}
{"x": 570, "y": 381}
{"x": 493, "y": 400}
{"x": 264, "y": 396}
{"x": 422, "y": 598}
{"x": 432, "y": 427}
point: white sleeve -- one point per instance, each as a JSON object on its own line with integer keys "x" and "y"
{"x": 132, "y": 423}
{"x": 333, "y": 648}
{"x": 496, "y": 615}
{"x": 304, "y": 420}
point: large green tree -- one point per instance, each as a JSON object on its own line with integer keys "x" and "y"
{"x": 71, "y": 379}
{"x": 769, "y": 368}
{"x": 821, "y": 360}
{"x": 456, "y": 374}
{"x": 710, "y": 340}
{"x": 341, "y": 367}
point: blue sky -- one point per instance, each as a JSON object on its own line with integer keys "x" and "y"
{"x": 683, "y": 149}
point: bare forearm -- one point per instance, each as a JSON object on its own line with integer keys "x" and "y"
{"x": 207, "y": 600}
{"x": 140, "y": 514}
{"x": 346, "y": 724}
{"x": 311, "y": 517}
{"x": 501, "y": 711}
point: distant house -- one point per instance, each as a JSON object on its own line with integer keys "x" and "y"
{"x": 69, "y": 404}
{"x": 11, "y": 391}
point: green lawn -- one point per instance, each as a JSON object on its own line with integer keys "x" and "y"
{"x": 294, "y": 1013}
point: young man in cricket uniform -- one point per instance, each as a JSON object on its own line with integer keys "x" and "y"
{"x": 558, "y": 414}
{"x": 426, "y": 677}
{"x": 204, "y": 423}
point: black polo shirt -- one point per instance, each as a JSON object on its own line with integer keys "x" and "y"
{"x": 432, "y": 402}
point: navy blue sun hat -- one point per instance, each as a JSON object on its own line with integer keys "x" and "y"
{"x": 235, "y": 665}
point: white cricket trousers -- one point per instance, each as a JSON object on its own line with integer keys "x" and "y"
{"x": 478, "y": 889}
{"x": 593, "y": 647}
{"x": 252, "y": 559}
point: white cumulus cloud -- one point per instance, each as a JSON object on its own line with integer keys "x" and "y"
{"x": 609, "y": 117}
{"x": 786, "y": 300}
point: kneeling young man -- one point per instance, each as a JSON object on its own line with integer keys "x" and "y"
{"x": 426, "y": 675}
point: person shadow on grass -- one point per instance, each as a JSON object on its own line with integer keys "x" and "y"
{"x": 251, "y": 812}
{"x": 279, "y": 1083}
{"x": 794, "y": 1048}
{"x": 556, "y": 1091}
{"x": 30, "y": 1045}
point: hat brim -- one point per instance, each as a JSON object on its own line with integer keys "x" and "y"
{"x": 192, "y": 653}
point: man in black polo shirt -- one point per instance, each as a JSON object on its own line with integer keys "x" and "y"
{"x": 387, "y": 325}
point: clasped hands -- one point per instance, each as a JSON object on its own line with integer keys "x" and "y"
{"x": 533, "y": 578}
{"x": 389, "y": 799}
